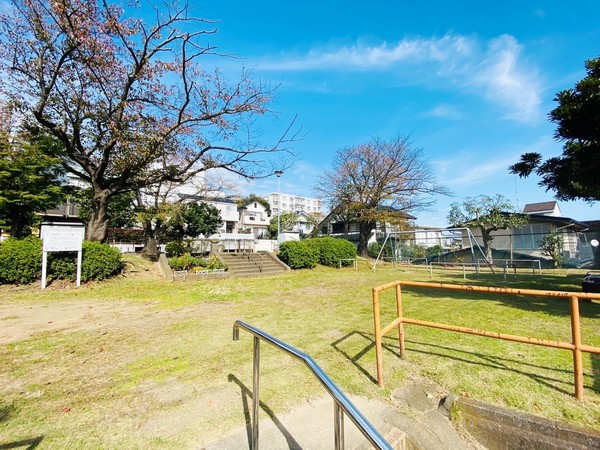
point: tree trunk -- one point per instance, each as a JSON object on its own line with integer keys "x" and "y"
{"x": 365, "y": 229}
{"x": 97, "y": 227}
{"x": 487, "y": 244}
{"x": 16, "y": 227}
{"x": 150, "y": 250}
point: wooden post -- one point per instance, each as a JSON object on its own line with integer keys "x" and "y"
{"x": 378, "y": 349}
{"x": 400, "y": 324}
{"x": 576, "y": 341}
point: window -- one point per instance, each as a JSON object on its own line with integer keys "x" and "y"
{"x": 529, "y": 236}
{"x": 252, "y": 218}
{"x": 255, "y": 204}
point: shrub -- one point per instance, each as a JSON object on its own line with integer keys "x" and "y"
{"x": 373, "y": 250}
{"x": 299, "y": 254}
{"x": 214, "y": 263}
{"x": 332, "y": 250}
{"x": 186, "y": 262}
{"x": 173, "y": 249}
{"x": 63, "y": 265}
{"x": 100, "y": 261}
{"x": 20, "y": 260}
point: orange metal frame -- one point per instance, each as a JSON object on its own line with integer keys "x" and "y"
{"x": 575, "y": 345}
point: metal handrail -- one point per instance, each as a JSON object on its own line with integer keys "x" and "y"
{"x": 257, "y": 264}
{"x": 341, "y": 403}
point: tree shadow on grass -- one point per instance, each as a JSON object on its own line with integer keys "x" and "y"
{"x": 479, "y": 359}
{"x": 246, "y": 394}
{"x": 25, "y": 444}
{"x": 596, "y": 371}
{"x": 6, "y": 412}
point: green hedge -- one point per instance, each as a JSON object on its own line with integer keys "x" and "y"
{"x": 21, "y": 262}
{"x": 188, "y": 262}
{"x": 332, "y": 250}
{"x": 173, "y": 248}
{"x": 299, "y": 254}
{"x": 374, "y": 248}
{"x": 100, "y": 261}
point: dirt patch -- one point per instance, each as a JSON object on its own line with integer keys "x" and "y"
{"x": 20, "y": 321}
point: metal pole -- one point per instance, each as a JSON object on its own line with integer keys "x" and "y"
{"x": 255, "y": 393}
{"x": 577, "y": 360}
{"x": 278, "y": 173}
{"x": 400, "y": 324}
{"x": 338, "y": 417}
{"x": 378, "y": 345}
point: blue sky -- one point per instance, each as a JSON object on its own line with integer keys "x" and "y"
{"x": 471, "y": 82}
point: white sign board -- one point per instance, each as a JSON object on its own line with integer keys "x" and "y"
{"x": 61, "y": 237}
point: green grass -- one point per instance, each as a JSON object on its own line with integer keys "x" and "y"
{"x": 160, "y": 369}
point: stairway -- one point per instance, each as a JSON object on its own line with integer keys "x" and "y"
{"x": 252, "y": 264}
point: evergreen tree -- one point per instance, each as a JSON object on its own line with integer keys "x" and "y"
{"x": 29, "y": 178}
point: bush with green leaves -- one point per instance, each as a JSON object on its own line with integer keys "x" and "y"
{"x": 214, "y": 263}
{"x": 99, "y": 261}
{"x": 332, "y": 251}
{"x": 299, "y": 254}
{"x": 189, "y": 262}
{"x": 374, "y": 248}
{"x": 173, "y": 248}
{"x": 186, "y": 262}
{"x": 20, "y": 260}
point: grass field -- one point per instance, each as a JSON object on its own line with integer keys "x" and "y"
{"x": 143, "y": 363}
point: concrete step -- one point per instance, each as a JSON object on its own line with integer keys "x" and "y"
{"x": 251, "y": 264}
{"x": 310, "y": 426}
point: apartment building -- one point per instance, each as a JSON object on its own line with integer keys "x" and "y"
{"x": 281, "y": 202}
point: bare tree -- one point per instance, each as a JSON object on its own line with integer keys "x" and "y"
{"x": 127, "y": 99}
{"x": 379, "y": 181}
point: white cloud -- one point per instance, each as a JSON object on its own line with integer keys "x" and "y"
{"x": 445, "y": 111}
{"x": 507, "y": 83}
{"x": 472, "y": 168}
{"x": 364, "y": 57}
{"x": 472, "y": 175}
{"x": 495, "y": 69}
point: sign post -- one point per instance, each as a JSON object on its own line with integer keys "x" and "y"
{"x": 61, "y": 237}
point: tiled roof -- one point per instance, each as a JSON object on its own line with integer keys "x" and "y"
{"x": 538, "y": 207}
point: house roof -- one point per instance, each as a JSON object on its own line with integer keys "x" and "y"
{"x": 561, "y": 221}
{"x": 533, "y": 208}
{"x": 335, "y": 212}
{"x": 200, "y": 198}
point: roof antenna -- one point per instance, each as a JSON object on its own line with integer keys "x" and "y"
{"x": 517, "y": 192}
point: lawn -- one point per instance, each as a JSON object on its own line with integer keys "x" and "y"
{"x": 143, "y": 363}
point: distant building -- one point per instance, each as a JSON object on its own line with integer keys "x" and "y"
{"x": 337, "y": 225}
{"x": 254, "y": 218}
{"x": 544, "y": 208}
{"x": 293, "y": 203}
{"x": 524, "y": 242}
{"x": 227, "y": 208}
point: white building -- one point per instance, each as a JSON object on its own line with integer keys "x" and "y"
{"x": 254, "y": 219}
{"x": 281, "y": 202}
{"x": 226, "y": 206}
